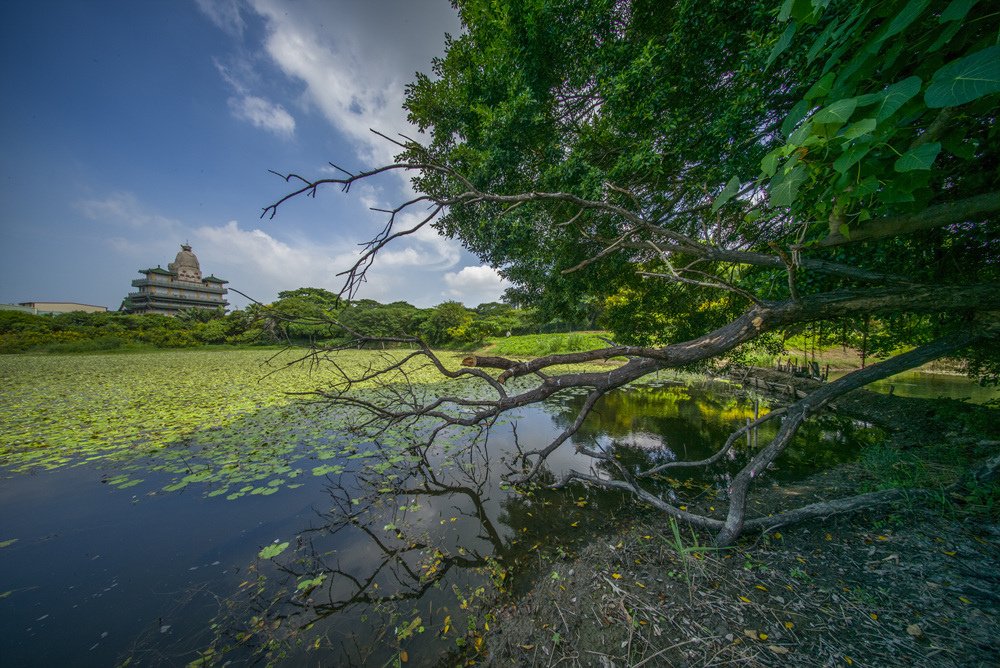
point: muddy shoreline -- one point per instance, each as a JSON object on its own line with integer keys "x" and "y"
{"x": 917, "y": 584}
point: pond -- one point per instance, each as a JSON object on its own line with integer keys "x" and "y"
{"x": 276, "y": 533}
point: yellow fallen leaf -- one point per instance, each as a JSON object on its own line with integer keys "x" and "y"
{"x": 849, "y": 660}
{"x": 762, "y": 636}
{"x": 616, "y": 576}
{"x": 777, "y": 535}
{"x": 744, "y": 599}
{"x": 640, "y": 585}
{"x": 403, "y": 656}
{"x": 575, "y": 524}
{"x": 829, "y": 536}
{"x": 778, "y": 650}
{"x": 964, "y": 600}
{"x": 762, "y": 587}
{"x": 873, "y": 616}
{"x": 750, "y": 633}
{"x": 684, "y": 507}
{"x": 527, "y": 647}
{"x": 647, "y": 537}
{"x": 950, "y": 554}
{"x": 447, "y": 623}
{"x": 789, "y": 625}
{"x": 486, "y": 626}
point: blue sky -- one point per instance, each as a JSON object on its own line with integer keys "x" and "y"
{"x": 128, "y": 127}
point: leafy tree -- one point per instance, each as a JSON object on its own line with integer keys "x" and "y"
{"x": 445, "y": 322}
{"x": 772, "y": 167}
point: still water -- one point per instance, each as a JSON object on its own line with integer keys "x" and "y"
{"x": 385, "y": 555}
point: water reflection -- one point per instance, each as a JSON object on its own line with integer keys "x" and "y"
{"x": 924, "y": 385}
{"x": 390, "y": 550}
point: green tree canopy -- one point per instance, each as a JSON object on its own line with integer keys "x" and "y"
{"x": 713, "y": 172}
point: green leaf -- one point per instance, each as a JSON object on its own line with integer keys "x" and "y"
{"x": 957, "y": 10}
{"x": 838, "y": 112}
{"x": 820, "y": 42}
{"x": 800, "y": 134}
{"x": 786, "y": 10}
{"x": 727, "y": 194}
{"x": 965, "y": 79}
{"x": 271, "y": 551}
{"x": 796, "y": 114}
{"x": 945, "y": 37}
{"x": 821, "y": 87}
{"x": 311, "y": 583}
{"x": 851, "y": 156}
{"x": 959, "y": 148}
{"x": 862, "y": 127}
{"x": 868, "y": 186}
{"x": 769, "y": 165}
{"x": 921, "y": 157}
{"x": 906, "y": 16}
{"x": 783, "y": 43}
{"x": 802, "y": 10}
{"x": 785, "y": 187}
{"x": 895, "y": 96}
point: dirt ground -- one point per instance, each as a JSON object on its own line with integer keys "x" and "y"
{"x": 913, "y": 585}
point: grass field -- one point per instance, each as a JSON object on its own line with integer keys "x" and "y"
{"x": 537, "y": 345}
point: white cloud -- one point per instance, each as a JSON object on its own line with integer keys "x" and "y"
{"x": 246, "y": 106}
{"x": 355, "y": 60}
{"x": 475, "y": 285}
{"x": 225, "y": 14}
{"x": 263, "y": 114}
{"x": 260, "y": 265}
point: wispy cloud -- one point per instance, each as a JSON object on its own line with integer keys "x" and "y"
{"x": 475, "y": 285}
{"x": 261, "y": 265}
{"x": 246, "y": 106}
{"x": 355, "y": 60}
{"x": 225, "y": 14}
{"x": 263, "y": 114}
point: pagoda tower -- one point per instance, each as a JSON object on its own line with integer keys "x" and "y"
{"x": 177, "y": 288}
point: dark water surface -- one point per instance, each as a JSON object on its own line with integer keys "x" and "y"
{"x": 392, "y": 554}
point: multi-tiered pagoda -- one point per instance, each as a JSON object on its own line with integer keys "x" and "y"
{"x": 177, "y": 288}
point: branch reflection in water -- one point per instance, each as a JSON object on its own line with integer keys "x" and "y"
{"x": 416, "y": 542}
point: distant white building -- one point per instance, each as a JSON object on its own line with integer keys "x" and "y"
{"x": 49, "y": 308}
{"x": 178, "y": 287}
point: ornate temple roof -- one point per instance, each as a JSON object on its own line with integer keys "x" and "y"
{"x": 185, "y": 265}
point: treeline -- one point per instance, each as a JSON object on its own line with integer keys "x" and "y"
{"x": 302, "y": 316}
